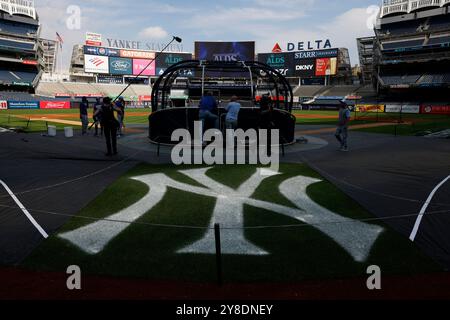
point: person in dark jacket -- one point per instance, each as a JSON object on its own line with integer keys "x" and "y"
{"x": 110, "y": 126}
{"x": 121, "y": 115}
{"x": 208, "y": 110}
{"x": 84, "y": 106}
{"x": 97, "y": 116}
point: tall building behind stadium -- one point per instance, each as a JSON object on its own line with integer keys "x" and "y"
{"x": 409, "y": 54}
{"x": 21, "y": 54}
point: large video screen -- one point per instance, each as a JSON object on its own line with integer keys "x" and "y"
{"x": 166, "y": 60}
{"x": 225, "y": 51}
{"x": 282, "y": 62}
{"x": 303, "y": 64}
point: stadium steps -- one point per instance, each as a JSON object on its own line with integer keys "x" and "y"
{"x": 142, "y": 90}
{"x": 338, "y": 91}
{"x": 50, "y": 89}
{"x": 307, "y": 91}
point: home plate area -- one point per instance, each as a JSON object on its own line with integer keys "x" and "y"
{"x": 157, "y": 222}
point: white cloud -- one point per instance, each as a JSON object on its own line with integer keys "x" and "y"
{"x": 342, "y": 31}
{"x": 299, "y": 4}
{"x": 153, "y": 33}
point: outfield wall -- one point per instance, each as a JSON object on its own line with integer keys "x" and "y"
{"x": 387, "y": 108}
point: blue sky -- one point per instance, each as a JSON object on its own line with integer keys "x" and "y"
{"x": 267, "y": 22}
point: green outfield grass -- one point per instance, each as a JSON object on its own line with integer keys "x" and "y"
{"x": 11, "y": 121}
{"x": 300, "y": 253}
{"x": 413, "y": 124}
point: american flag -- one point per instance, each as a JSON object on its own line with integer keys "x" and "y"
{"x": 59, "y": 39}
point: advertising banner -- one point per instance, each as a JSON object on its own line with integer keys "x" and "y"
{"x": 137, "y": 54}
{"x": 23, "y": 105}
{"x": 141, "y": 64}
{"x": 225, "y": 51}
{"x": 305, "y": 68}
{"x": 331, "y": 53}
{"x": 96, "y": 64}
{"x": 120, "y": 66}
{"x": 93, "y": 39}
{"x": 370, "y": 108}
{"x": 110, "y": 80}
{"x": 136, "y": 105}
{"x": 320, "y": 107}
{"x": 166, "y": 60}
{"x": 326, "y": 66}
{"x": 88, "y": 95}
{"x": 313, "y": 81}
{"x": 145, "y": 98}
{"x": 282, "y": 62}
{"x": 405, "y": 108}
{"x": 393, "y": 108}
{"x": 435, "y": 109}
{"x": 54, "y": 104}
{"x": 3, "y": 105}
{"x": 30, "y": 62}
{"x": 100, "y": 51}
{"x": 411, "y": 108}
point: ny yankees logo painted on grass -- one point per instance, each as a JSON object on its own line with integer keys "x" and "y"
{"x": 355, "y": 237}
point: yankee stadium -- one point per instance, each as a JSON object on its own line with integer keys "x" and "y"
{"x": 239, "y": 150}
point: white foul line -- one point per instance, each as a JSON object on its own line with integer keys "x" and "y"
{"x": 25, "y": 211}
{"x": 413, "y": 235}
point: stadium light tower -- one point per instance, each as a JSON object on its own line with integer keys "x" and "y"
{"x": 174, "y": 38}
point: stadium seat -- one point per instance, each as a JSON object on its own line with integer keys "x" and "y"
{"x": 399, "y": 80}
{"x": 17, "y": 76}
{"x": 439, "y": 40}
{"x": 9, "y": 27}
{"x": 403, "y": 44}
{"x": 16, "y": 45}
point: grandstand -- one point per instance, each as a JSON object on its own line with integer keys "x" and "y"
{"x": 78, "y": 89}
{"x": 413, "y": 32}
{"x": 20, "y": 51}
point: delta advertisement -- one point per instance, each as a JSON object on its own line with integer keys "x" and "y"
{"x": 282, "y": 62}
{"x": 96, "y": 64}
{"x": 142, "y": 65}
{"x": 166, "y": 60}
{"x": 120, "y": 66}
{"x": 54, "y": 105}
{"x": 23, "y": 104}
